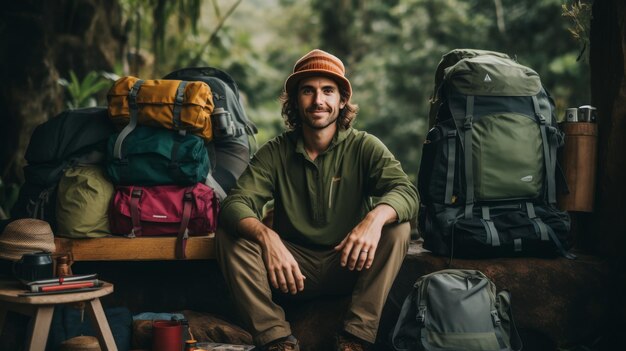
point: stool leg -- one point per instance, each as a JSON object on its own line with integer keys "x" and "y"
{"x": 101, "y": 325}
{"x": 40, "y": 328}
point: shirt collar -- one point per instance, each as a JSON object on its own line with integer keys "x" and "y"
{"x": 338, "y": 138}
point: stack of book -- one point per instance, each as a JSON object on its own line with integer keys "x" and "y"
{"x": 66, "y": 284}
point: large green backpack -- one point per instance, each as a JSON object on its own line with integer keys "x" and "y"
{"x": 487, "y": 174}
{"x": 456, "y": 310}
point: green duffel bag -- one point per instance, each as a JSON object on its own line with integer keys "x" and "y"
{"x": 157, "y": 156}
{"x": 82, "y": 202}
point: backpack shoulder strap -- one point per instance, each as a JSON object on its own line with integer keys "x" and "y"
{"x": 516, "y": 341}
{"x": 549, "y": 151}
{"x": 407, "y": 307}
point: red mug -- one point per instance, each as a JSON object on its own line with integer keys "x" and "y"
{"x": 167, "y": 335}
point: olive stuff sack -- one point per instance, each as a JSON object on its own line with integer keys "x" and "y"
{"x": 157, "y": 156}
{"x": 69, "y": 138}
{"x": 456, "y": 310}
{"x": 176, "y": 105}
{"x": 487, "y": 174}
{"x": 164, "y": 210}
{"x": 234, "y": 140}
{"x": 83, "y": 202}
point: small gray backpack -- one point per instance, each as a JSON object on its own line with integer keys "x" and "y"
{"x": 456, "y": 310}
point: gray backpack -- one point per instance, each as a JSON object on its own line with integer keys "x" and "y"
{"x": 456, "y": 310}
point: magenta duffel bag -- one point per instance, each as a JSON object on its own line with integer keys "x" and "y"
{"x": 164, "y": 210}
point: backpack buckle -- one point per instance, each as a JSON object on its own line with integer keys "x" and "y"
{"x": 495, "y": 317}
{"x": 541, "y": 118}
{"x": 188, "y": 196}
{"x": 467, "y": 124}
{"x": 421, "y": 315}
{"x": 136, "y": 193}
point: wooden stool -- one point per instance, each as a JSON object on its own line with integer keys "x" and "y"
{"x": 42, "y": 308}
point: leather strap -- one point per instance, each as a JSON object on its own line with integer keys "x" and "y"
{"x": 135, "y": 217}
{"x": 183, "y": 231}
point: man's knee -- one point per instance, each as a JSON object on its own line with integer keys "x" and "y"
{"x": 229, "y": 247}
{"x": 398, "y": 234}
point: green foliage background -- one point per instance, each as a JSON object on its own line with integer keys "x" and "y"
{"x": 390, "y": 47}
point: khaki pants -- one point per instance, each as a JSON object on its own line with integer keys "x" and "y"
{"x": 243, "y": 268}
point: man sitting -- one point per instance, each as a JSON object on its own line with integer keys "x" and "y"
{"x": 328, "y": 237}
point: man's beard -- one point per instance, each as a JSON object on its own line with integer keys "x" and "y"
{"x": 312, "y": 125}
{"x": 309, "y": 122}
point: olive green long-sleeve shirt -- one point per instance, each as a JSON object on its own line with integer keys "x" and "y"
{"x": 318, "y": 202}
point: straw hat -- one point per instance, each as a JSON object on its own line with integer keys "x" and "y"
{"x": 25, "y": 235}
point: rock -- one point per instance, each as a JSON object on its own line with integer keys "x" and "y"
{"x": 204, "y": 327}
{"x": 556, "y": 302}
{"x": 565, "y": 301}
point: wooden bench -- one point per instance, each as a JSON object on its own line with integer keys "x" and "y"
{"x": 136, "y": 249}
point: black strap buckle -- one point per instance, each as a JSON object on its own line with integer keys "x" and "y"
{"x": 467, "y": 124}
{"x": 188, "y": 196}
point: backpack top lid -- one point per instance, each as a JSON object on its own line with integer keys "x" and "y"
{"x": 225, "y": 94}
{"x": 202, "y": 73}
{"x": 70, "y": 133}
{"x": 454, "y": 56}
{"x": 488, "y": 75}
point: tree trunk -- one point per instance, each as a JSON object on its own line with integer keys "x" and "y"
{"x": 41, "y": 41}
{"x": 605, "y": 229}
{"x": 607, "y": 226}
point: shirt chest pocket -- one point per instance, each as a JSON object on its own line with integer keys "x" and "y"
{"x": 333, "y": 190}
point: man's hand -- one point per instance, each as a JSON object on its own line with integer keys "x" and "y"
{"x": 282, "y": 269}
{"x": 358, "y": 248}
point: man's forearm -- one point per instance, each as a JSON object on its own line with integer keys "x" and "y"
{"x": 382, "y": 214}
{"x": 253, "y": 229}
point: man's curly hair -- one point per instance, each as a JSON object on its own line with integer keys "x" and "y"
{"x": 291, "y": 114}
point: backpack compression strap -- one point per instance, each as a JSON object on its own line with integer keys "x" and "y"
{"x": 183, "y": 231}
{"x": 549, "y": 151}
{"x": 135, "y": 217}
{"x": 467, "y": 150}
{"x": 490, "y": 228}
{"x": 546, "y": 233}
{"x": 451, "y": 142}
{"x": 132, "y": 104}
{"x": 178, "y": 104}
